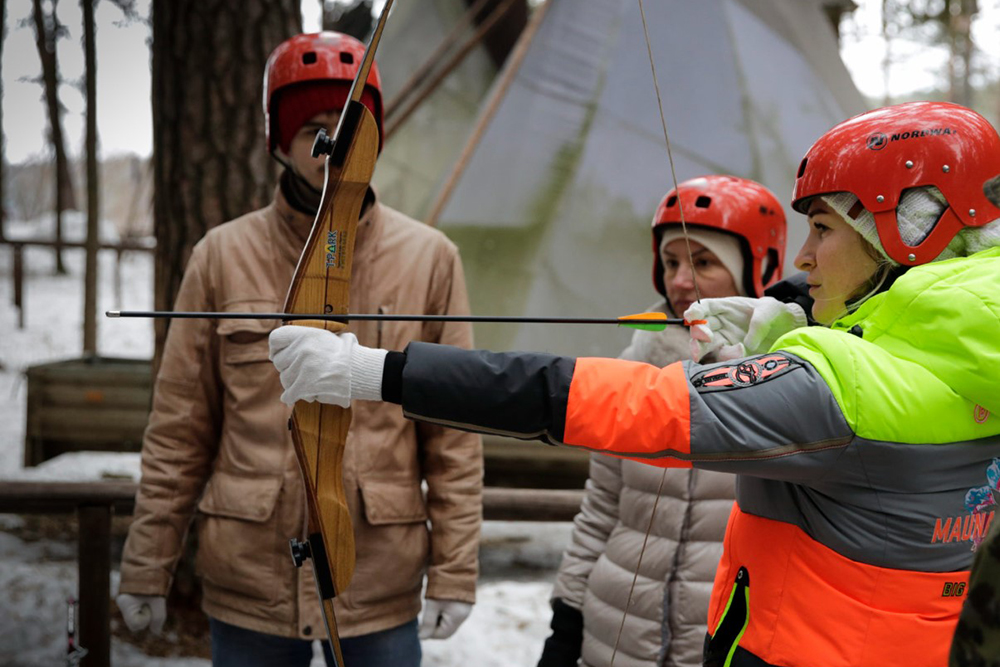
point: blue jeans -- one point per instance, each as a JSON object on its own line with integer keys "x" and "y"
{"x": 239, "y": 647}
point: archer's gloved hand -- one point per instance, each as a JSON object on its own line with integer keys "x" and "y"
{"x": 142, "y": 611}
{"x": 739, "y": 326}
{"x": 316, "y": 365}
{"x": 564, "y": 645}
{"x": 442, "y": 617}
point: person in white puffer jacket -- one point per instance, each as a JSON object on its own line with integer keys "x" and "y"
{"x": 737, "y": 236}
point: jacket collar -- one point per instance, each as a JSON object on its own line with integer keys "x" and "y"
{"x": 295, "y": 226}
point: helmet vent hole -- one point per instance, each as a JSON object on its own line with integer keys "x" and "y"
{"x": 671, "y": 201}
{"x": 309, "y": 58}
{"x": 703, "y": 201}
{"x": 802, "y": 167}
{"x": 346, "y": 58}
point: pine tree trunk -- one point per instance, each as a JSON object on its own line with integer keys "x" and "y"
{"x": 887, "y": 19}
{"x": 45, "y": 40}
{"x": 210, "y": 164}
{"x": 969, "y": 9}
{"x": 93, "y": 184}
{"x": 3, "y": 142}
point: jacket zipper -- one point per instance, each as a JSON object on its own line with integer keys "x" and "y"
{"x": 735, "y": 619}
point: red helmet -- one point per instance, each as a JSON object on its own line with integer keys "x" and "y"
{"x": 736, "y": 206}
{"x": 321, "y": 56}
{"x": 879, "y": 154}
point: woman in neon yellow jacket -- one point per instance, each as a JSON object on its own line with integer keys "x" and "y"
{"x": 864, "y": 449}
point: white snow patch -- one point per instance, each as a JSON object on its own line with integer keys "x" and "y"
{"x": 507, "y": 627}
{"x": 83, "y": 467}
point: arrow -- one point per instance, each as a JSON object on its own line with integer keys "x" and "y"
{"x": 642, "y": 321}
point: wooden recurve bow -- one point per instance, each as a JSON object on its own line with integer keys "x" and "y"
{"x": 321, "y": 284}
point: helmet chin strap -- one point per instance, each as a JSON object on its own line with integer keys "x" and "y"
{"x": 282, "y": 159}
{"x": 889, "y": 274}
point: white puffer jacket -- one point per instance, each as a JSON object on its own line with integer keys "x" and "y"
{"x": 666, "y": 623}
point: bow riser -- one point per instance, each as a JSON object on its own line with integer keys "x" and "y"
{"x": 323, "y": 275}
{"x": 322, "y": 285}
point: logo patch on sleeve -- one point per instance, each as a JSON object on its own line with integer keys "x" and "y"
{"x": 746, "y": 373}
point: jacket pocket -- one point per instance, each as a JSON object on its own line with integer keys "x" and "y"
{"x": 393, "y": 548}
{"x": 388, "y": 503}
{"x": 244, "y": 341}
{"x": 723, "y": 646}
{"x": 238, "y": 535}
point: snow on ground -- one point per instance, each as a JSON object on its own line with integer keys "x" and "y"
{"x": 36, "y": 579}
{"x": 518, "y": 560}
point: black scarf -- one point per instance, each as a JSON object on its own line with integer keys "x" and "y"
{"x": 301, "y": 196}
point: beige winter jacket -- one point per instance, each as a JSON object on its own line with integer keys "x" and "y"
{"x": 667, "y": 619}
{"x": 218, "y": 446}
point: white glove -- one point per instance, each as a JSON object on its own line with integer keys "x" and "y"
{"x": 142, "y": 611}
{"x": 316, "y": 365}
{"x": 441, "y": 618}
{"x": 739, "y": 326}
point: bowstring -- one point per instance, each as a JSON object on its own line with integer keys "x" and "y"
{"x": 670, "y": 153}
{"x": 694, "y": 281}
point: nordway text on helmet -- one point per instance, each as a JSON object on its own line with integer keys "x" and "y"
{"x": 878, "y": 141}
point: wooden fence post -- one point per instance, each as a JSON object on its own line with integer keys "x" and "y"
{"x": 19, "y": 283}
{"x": 95, "y": 584}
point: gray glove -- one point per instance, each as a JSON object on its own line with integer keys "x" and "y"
{"x": 441, "y": 618}
{"x": 142, "y": 611}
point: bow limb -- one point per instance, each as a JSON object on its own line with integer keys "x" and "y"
{"x": 321, "y": 284}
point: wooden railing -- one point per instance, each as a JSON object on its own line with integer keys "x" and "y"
{"x": 96, "y": 502}
{"x": 94, "y": 505}
{"x": 18, "y": 270}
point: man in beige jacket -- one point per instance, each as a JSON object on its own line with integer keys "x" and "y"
{"x": 218, "y": 445}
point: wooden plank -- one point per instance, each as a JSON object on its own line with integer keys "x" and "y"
{"x": 87, "y": 424}
{"x": 512, "y": 463}
{"x": 499, "y": 504}
{"x": 105, "y": 373}
{"x": 27, "y": 497}
{"x": 99, "y": 397}
{"x": 530, "y": 504}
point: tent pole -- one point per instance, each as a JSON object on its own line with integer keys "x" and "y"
{"x": 418, "y": 76}
{"x": 499, "y": 92}
{"x": 457, "y": 59}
